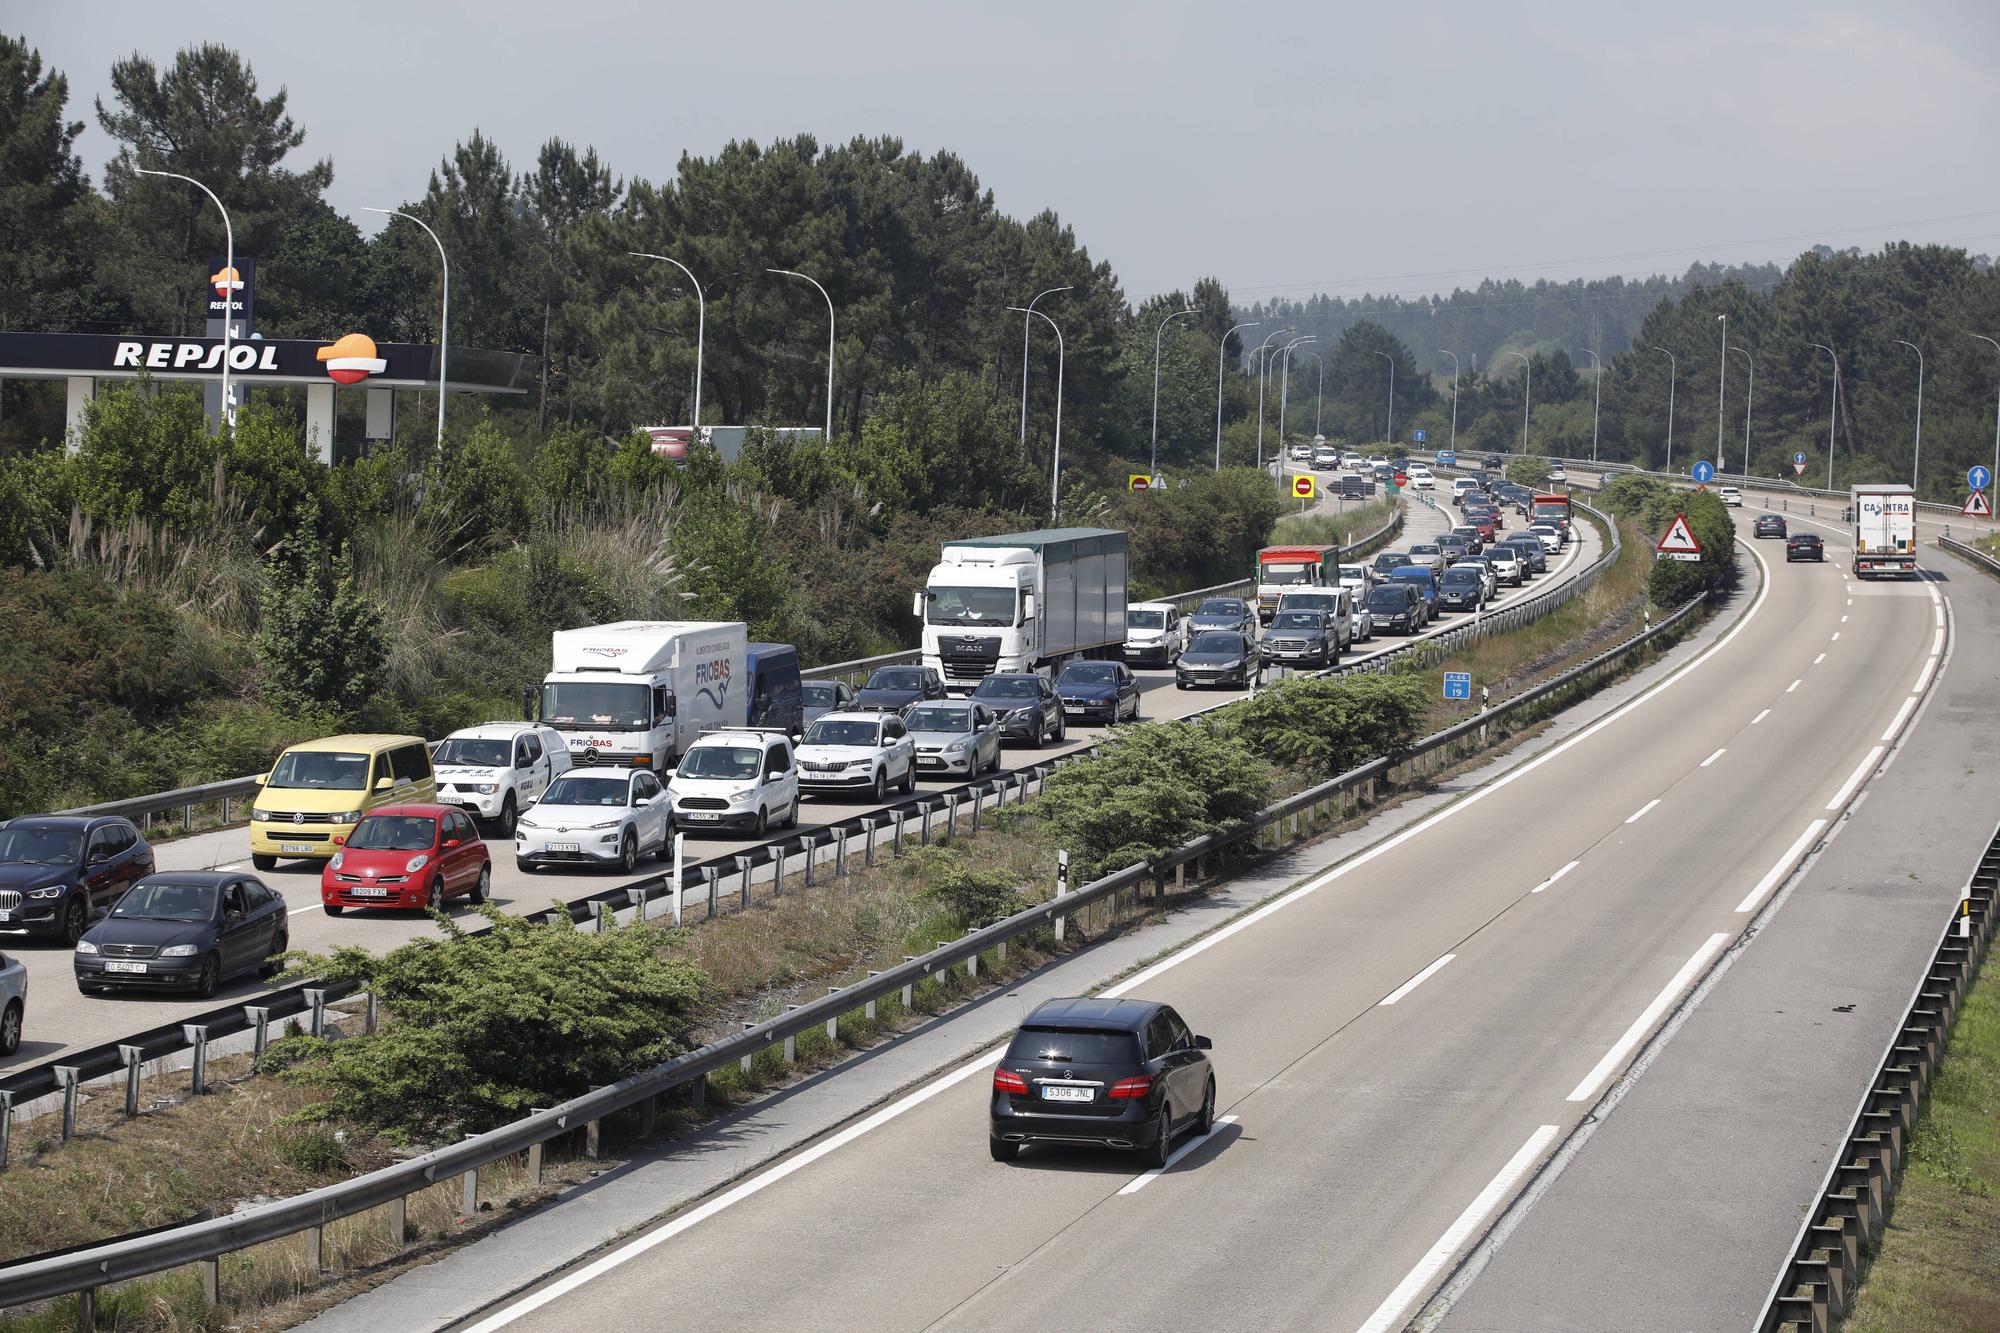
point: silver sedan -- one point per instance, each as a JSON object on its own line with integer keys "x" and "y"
{"x": 954, "y": 737}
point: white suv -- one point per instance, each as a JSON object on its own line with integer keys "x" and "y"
{"x": 497, "y": 769}
{"x": 858, "y": 751}
{"x": 1731, "y": 497}
{"x": 742, "y": 778}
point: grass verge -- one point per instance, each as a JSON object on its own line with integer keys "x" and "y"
{"x": 1332, "y": 528}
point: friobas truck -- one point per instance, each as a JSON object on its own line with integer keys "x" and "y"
{"x": 1023, "y": 601}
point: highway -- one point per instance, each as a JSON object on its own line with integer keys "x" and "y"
{"x": 1400, "y": 1041}
{"x": 60, "y": 1019}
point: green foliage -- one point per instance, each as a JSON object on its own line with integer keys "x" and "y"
{"x": 319, "y": 640}
{"x": 1528, "y": 472}
{"x": 1147, "y": 790}
{"x": 1329, "y": 724}
{"x": 273, "y": 471}
{"x": 479, "y": 486}
{"x": 1674, "y": 581}
{"x": 481, "y": 1027}
{"x": 1199, "y": 534}
{"x": 973, "y": 896}
{"x": 148, "y": 455}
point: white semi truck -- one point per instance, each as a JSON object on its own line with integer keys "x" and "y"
{"x": 1023, "y": 601}
{"x": 1885, "y": 530}
{"x": 641, "y": 691}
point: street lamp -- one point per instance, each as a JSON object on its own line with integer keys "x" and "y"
{"x": 1527, "y": 398}
{"x": 1996, "y": 412}
{"x": 1721, "y": 384}
{"x": 444, "y": 311}
{"x": 1221, "y": 353}
{"x": 1454, "y": 398}
{"x": 1749, "y": 398}
{"x": 1153, "y": 468}
{"x": 1263, "y": 368}
{"x": 1055, "y": 465}
{"x": 1285, "y": 383}
{"x": 1390, "y": 430}
{"x": 1916, "y": 466}
{"x": 1027, "y": 310}
{"x": 228, "y": 302}
{"x": 1597, "y": 374}
{"x": 1832, "y": 410}
{"x": 700, "y": 326}
{"x": 1673, "y": 373}
{"x": 1319, "y": 390}
{"x": 829, "y": 345}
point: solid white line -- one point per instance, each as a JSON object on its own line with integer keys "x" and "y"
{"x": 1553, "y": 878}
{"x": 1901, "y": 714}
{"x": 297, "y": 910}
{"x": 1760, "y": 717}
{"x": 1924, "y": 676}
{"x": 1855, "y": 779}
{"x": 1712, "y": 758}
{"x": 1819, "y": 659}
{"x": 1938, "y": 612}
{"x": 755, "y": 1185}
{"x": 1415, "y": 981}
{"x": 1640, "y": 813}
{"x": 1784, "y": 866}
{"x": 1389, "y": 1313}
{"x": 1644, "y": 1022}
{"x": 1146, "y": 1177}
{"x": 1937, "y": 642}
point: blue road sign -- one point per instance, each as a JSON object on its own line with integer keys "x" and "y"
{"x": 1417, "y": 436}
{"x": 1800, "y": 459}
{"x": 1703, "y": 472}
{"x": 1979, "y": 478}
{"x": 1458, "y": 684}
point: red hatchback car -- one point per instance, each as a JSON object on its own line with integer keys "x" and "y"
{"x": 407, "y": 856}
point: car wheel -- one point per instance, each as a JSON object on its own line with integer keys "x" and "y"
{"x": 484, "y": 885}
{"x": 1163, "y": 1146}
{"x": 10, "y": 1036}
{"x": 881, "y": 785}
{"x": 763, "y": 822}
{"x": 508, "y": 816}
{"x": 1002, "y": 1150}
{"x": 275, "y": 964}
{"x": 525, "y": 867}
{"x": 1206, "y": 1125}
{"x": 209, "y": 977}
{"x": 76, "y": 920}
{"x": 332, "y": 909}
{"x": 628, "y": 852}
{"x": 791, "y": 815}
{"x": 1062, "y": 730}
{"x": 263, "y": 862}
{"x": 910, "y": 775}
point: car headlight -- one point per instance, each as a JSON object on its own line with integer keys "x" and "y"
{"x": 347, "y": 817}
{"x": 486, "y": 788}
{"x": 416, "y": 863}
{"x": 179, "y": 951}
{"x": 958, "y": 747}
{"x": 1023, "y": 713}
{"x": 336, "y": 862}
{"x": 85, "y": 946}
{"x": 609, "y": 823}
{"x": 743, "y": 797}
{"x": 52, "y": 891}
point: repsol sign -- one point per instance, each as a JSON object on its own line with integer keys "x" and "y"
{"x": 175, "y": 354}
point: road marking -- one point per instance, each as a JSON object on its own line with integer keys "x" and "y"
{"x": 1937, "y": 642}
{"x": 1924, "y": 676}
{"x": 233, "y": 865}
{"x": 1712, "y": 758}
{"x": 1819, "y": 659}
{"x": 1145, "y": 1178}
{"x": 1760, "y": 717}
{"x": 1564, "y": 871}
{"x": 299, "y": 910}
{"x": 1640, "y": 813}
{"x": 1850, "y": 602}
{"x": 1855, "y": 779}
{"x": 1937, "y": 611}
{"x": 1901, "y": 714}
{"x": 1389, "y": 1313}
{"x": 1417, "y": 980}
{"x": 1644, "y": 1022}
{"x": 1794, "y": 685}
{"x": 1835, "y": 638}
{"x": 1780, "y": 870}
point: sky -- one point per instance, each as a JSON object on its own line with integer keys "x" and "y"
{"x": 1286, "y": 148}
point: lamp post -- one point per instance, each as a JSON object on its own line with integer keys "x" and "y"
{"x": 1263, "y": 367}
{"x": 1749, "y": 399}
{"x": 1721, "y": 384}
{"x": 1996, "y": 411}
{"x": 1319, "y": 389}
{"x": 1285, "y": 383}
{"x": 1153, "y": 467}
{"x": 1597, "y": 401}
{"x": 829, "y": 344}
{"x": 1527, "y": 398}
{"x": 1389, "y": 430}
{"x": 444, "y": 310}
{"x": 1221, "y": 353}
{"x": 228, "y": 302}
{"x": 1832, "y": 410}
{"x": 700, "y": 326}
{"x": 1454, "y": 397}
{"x": 1026, "y": 311}
{"x": 1673, "y": 373}
{"x": 1917, "y": 463}
{"x": 1055, "y": 465}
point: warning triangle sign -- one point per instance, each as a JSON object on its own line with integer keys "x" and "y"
{"x": 1977, "y": 507}
{"x": 1679, "y": 540}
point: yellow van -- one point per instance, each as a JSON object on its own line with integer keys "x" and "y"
{"x": 320, "y": 788}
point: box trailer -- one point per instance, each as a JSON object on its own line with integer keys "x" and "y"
{"x": 641, "y": 691}
{"x": 1023, "y": 601}
{"x": 1885, "y": 530}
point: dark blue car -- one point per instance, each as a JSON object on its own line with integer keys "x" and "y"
{"x": 59, "y": 872}
{"x": 894, "y": 688}
{"x": 1098, "y": 692}
{"x": 184, "y": 930}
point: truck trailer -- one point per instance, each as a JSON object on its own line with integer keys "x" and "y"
{"x": 641, "y": 691}
{"x": 1023, "y": 601}
{"x": 1885, "y": 530}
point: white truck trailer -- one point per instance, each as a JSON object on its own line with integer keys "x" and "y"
{"x": 641, "y": 691}
{"x": 1023, "y": 601}
{"x": 1885, "y": 530}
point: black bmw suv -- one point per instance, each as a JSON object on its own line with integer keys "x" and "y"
{"x": 1113, "y": 1073}
{"x": 58, "y": 873}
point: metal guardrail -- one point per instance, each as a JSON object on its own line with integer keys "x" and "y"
{"x": 1982, "y": 559}
{"x": 85, "y": 1269}
{"x": 1852, "y": 1205}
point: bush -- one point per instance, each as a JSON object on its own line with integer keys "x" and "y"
{"x": 318, "y": 638}
{"x": 1326, "y": 725}
{"x": 972, "y": 896}
{"x": 1674, "y": 581}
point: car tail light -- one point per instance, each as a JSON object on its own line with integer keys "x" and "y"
{"x": 1131, "y": 1087}
{"x": 1006, "y": 1080}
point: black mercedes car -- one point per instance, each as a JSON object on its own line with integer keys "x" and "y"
{"x": 1113, "y": 1073}
{"x": 1217, "y": 657}
{"x": 184, "y": 930}
{"x": 58, "y": 872}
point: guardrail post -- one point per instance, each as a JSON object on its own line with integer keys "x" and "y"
{"x": 371, "y": 1014}
{"x": 260, "y": 1026}
{"x": 743, "y": 864}
{"x": 833, "y": 1024}
{"x": 133, "y": 1058}
{"x": 713, "y": 876}
{"x": 67, "y": 1076}
{"x": 809, "y": 844}
{"x": 868, "y": 1009}
{"x": 649, "y": 1115}
{"x": 791, "y": 1042}
{"x": 840, "y": 852}
{"x": 951, "y": 815}
{"x": 972, "y": 963}
{"x": 868, "y": 827}
{"x": 605, "y": 918}
{"x": 593, "y": 1130}
{"x": 924, "y": 827}
{"x": 536, "y": 1152}
{"x": 468, "y": 1199}
{"x": 909, "y": 988}
{"x": 638, "y": 896}
{"x": 196, "y": 1035}
{"x": 6, "y": 1125}
{"x": 399, "y": 1209}
{"x": 777, "y": 869}
{"x": 86, "y": 1309}
{"x": 316, "y": 1001}
{"x": 211, "y": 1281}
{"x": 315, "y": 1250}
{"x": 978, "y": 799}
{"x": 896, "y": 844}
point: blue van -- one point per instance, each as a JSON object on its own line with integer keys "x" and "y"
{"x": 1421, "y": 577}
{"x": 777, "y": 697}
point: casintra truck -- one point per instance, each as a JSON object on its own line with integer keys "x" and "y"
{"x": 1023, "y": 601}
{"x": 641, "y": 691}
{"x": 1885, "y": 530}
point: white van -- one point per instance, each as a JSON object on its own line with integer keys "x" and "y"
{"x": 497, "y": 769}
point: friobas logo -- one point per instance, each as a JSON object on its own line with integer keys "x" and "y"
{"x": 352, "y": 359}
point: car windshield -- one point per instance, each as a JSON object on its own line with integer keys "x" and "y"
{"x": 939, "y": 717}
{"x": 585, "y": 789}
{"x": 1070, "y": 1046}
{"x": 164, "y": 900}
{"x": 1297, "y": 620}
{"x": 579, "y": 705}
{"x": 1221, "y": 606}
{"x": 393, "y": 833}
{"x": 897, "y": 678}
{"x": 1387, "y": 598}
{"x": 843, "y": 731}
{"x": 1354, "y": 571}
{"x": 1088, "y": 673}
{"x": 32, "y": 846}
{"x": 719, "y": 761}
{"x": 821, "y": 694}
{"x": 327, "y": 770}
{"x": 1283, "y": 574}
{"x": 1458, "y": 574}
{"x": 1217, "y": 643}
{"x": 1007, "y": 687}
{"x": 467, "y": 752}
{"x": 1423, "y": 550}
{"x": 1145, "y": 620}
{"x": 969, "y": 606}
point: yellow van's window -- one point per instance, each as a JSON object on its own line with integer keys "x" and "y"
{"x": 324, "y": 769}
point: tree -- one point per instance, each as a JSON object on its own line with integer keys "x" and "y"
{"x": 1330, "y": 724}
{"x": 319, "y": 639}
{"x": 46, "y": 215}
{"x": 564, "y": 189}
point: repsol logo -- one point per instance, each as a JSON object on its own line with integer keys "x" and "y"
{"x": 169, "y": 355}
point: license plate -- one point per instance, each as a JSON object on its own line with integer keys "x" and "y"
{"x": 1072, "y": 708}
{"x": 698, "y": 816}
{"x": 125, "y": 967}
{"x": 369, "y": 893}
{"x": 6, "y": 916}
{"x": 930, "y": 763}
{"x": 562, "y": 847}
{"x": 1051, "y": 1093}
{"x": 296, "y": 848}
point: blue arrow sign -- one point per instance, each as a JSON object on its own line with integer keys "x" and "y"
{"x": 1416, "y": 437}
{"x": 1979, "y": 478}
{"x": 1703, "y": 472}
{"x": 1800, "y": 459}
{"x": 1458, "y": 684}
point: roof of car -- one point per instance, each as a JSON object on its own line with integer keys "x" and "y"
{"x": 207, "y": 877}
{"x": 1108, "y": 1015}
{"x": 357, "y": 741}
{"x": 853, "y": 715}
{"x": 76, "y": 822}
{"x": 1152, "y": 606}
{"x": 417, "y": 809}
{"x": 493, "y": 731}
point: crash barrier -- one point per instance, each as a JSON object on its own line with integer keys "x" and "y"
{"x": 1813, "y": 1288}
{"x": 85, "y": 1269}
{"x": 1984, "y": 560}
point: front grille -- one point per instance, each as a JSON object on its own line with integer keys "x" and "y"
{"x": 1288, "y": 645}
{"x": 10, "y": 899}
{"x": 378, "y": 879}
{"x": 703, "y": 803}
{"x": 299, "y": 817}
{"x": 129, "y": 950}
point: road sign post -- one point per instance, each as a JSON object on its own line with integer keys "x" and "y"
{"x": 1458, "y": 685}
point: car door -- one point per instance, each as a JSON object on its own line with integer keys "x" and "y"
{"x": 655, "y": 817}
{"x": 466, "y": 856}
{"x": 267, "y": 916}
{"x": 1128, "y": 690}
{"x": 985, "y": 735}
{"x": 239, "y": 932}
{"x": 899, "y": 752}
{"x": 781, "y": 778}
{"x": 101, "y": 882}
{"x": 1167, "y": 1061}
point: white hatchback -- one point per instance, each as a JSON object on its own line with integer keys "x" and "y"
{"x": 596, "y": 816}
{"x": 1420, "y": 477}
{"x": 1731, "y": 497}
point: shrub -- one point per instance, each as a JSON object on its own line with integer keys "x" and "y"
{"x": 1329, "y": 724}
{"x": 319, "y": 639}
{"x": 972, "y": 895}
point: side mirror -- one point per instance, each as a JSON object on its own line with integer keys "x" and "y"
{"x": 644, "y": 800}
{"x": 261, "y": 779}
{"x": 450, "y": 843}
{"x": 673, "y": 706}
{"x": 524, "y": 762}
{"x": 1203, "y": 1044}
{"x": 917, "y": 606}
{"x": 383, "y": 784}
